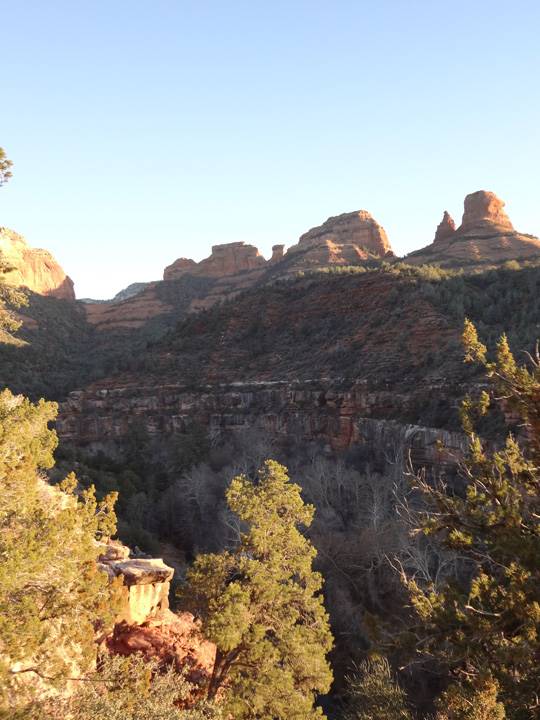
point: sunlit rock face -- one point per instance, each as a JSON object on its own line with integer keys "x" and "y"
{"x": 445, "y": 229}
{"x": 483, "y": 209}
{"x": 226, "y": 259}
{"x": 485, "y": 236}
{"x": 33, "y": 268}
{"x": 356, "y": 229}
{"x": 145, "y": 583}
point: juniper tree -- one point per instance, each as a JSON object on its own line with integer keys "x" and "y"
{"x": 5, "y": 167}
{"x": 486, "y": 619}
{"x": 52, "y": 595}
{"x": 260, "y": 603}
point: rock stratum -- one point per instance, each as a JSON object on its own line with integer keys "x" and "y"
{"x": 34, "y": 268}
{"x": 485, "y": 236}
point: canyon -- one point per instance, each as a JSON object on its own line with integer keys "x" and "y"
{"x": 319, "y": 339}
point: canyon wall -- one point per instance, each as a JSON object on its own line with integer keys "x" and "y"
{"x": 33, "y": 268}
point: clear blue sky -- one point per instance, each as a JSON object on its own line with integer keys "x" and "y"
{"x": 146, "y": 131}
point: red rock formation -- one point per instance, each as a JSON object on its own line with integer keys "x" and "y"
{"x": 173, "y": 639}
{"x": 357, "y": 229}
{"x": 485, "y": 236}
{"x": 277, "y": 253}
{"x": 445, "y": 229}
{"x": 228, "y": 259}
{"x": 34, "y": 268}
{"x": 483, "y": 209}
{"x": 179, "y": 267}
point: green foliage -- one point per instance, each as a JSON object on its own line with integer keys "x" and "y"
{"x": 10, "y": 298}
{"x": 474, "y": 700}
{"x": 260, "y": 603}
{"x": 129, "y": 688}
{"x": 5, "y": 167}
{"x": 373, "y": 694}
{"x": 486, "y": 618}
{"x": 51, "y": 592}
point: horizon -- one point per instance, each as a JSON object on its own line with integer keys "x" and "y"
{"x": 148, "y": 134}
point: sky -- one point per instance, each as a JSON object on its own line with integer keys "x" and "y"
{"x": 146, "y": 131}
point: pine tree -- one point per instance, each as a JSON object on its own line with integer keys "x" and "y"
{"x": 5, "y": 167}
{"x": 261, "y": 605}
{"x": 486, "y": 619}
{"x": 52, "y": 595}
{"x": 374, "y": 694}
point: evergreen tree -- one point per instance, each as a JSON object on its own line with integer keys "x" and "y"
{"x": 486, "y": 619}
{"x": 261, "y": 605}
{"x": 474, "y": 700}
{"x": 10, "y": 297}
{"x": 52, "y": 595}
{"x": 130, "y": 688}
{"x": 373, "y": 694}
{"x": 5, "y": 167}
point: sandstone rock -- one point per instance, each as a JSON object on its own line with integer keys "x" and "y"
{"x": 485, "y": 236}
{"x": 34, "y": 268}
{"x": 483, "y": 209}
{"x": 445, "y": 229}
{"x": 174, "y": 639}
{"x": 228, "y": 259}
{"x": 145, "y": 583}
{"x": 357, "y": 229}
{"x": 179, "y": 267}
{"x": 277, "y": 253}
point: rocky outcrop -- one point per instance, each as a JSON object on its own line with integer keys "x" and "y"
{"x": 277, "y": 253}
{"x": 445, "y": 229}
{"x": 34, "y": 268}
{"x": 483, "y": 209}
{"x": 171, "y": 640}
{"x": 228, "y": 259}
{"x": 145, "y": 625}
{"x": 144, "y": 593}
{"x": 485, "y": 236}
{"x": 352, "y": 235}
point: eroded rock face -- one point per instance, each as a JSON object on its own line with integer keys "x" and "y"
{"x": 485, "y": 236}
{"x": 145, "y": 583}
{"x": 227, "y": 259}
{"x": 357, "y": 229}
{"x": 34, "y": 268}
{"x": 277, "y": 253}
{"x": 446, "y": 228}
{"x": 483, "y": 209}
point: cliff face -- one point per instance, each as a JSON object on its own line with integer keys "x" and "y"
{"x": 34, "y": 268}
{"x": 335, "y": 414}
{"x": 485, "y": 236}
{"x": 227, "y": 259}
{"x": 348, "y": 239}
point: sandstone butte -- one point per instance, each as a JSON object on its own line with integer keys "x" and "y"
{"x": 34, "y": 268}
{"x": 485, "y": 236}
{"x": 347, "y": 239}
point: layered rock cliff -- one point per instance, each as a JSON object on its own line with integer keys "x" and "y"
{"x": 485, "y": 236}
{"x": 34, "y": 268}
{"x": 227, "y": 259}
